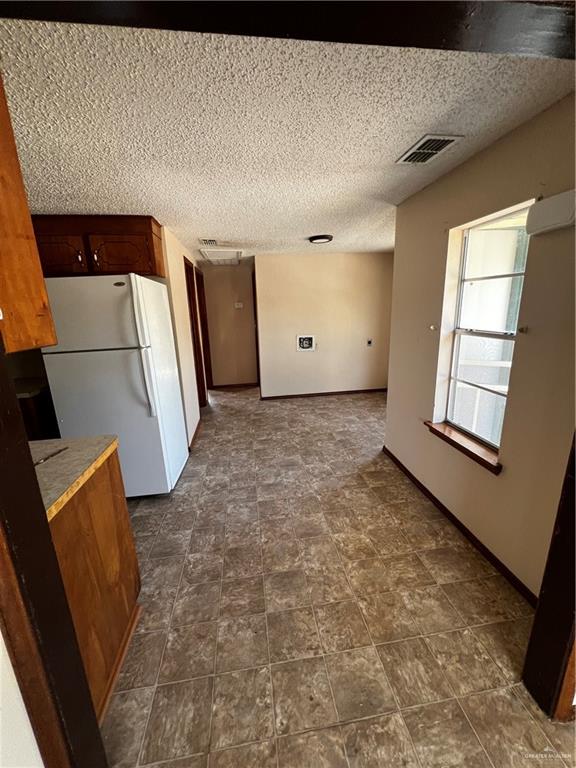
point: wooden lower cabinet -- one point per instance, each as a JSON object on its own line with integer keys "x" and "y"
{"x": 93, "y": 539}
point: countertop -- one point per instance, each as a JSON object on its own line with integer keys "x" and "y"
{"x": 63, "y": 466}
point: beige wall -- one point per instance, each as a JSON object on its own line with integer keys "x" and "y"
{"x": 231, "y": 331}
{"x": 175, "y": 254}
{"x": 341, "y": 298}
{"x": 513, "y": 513}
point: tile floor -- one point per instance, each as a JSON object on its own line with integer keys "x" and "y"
{"x": 305, "y": 606}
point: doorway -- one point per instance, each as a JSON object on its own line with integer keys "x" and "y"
{"x": 190, "y": 272}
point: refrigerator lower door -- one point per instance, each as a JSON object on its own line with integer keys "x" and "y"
{"x": 106, "y": 393}
{"x": 154, "y": 298}
{"x": 94, "y": 312}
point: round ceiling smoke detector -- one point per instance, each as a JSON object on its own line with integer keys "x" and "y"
{"x": 317, "y": 239}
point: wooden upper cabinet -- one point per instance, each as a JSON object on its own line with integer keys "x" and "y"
{"x": 121, "y": 253}
{"x": 109, "y": 245}
{"x": 25, "y": 321}
{"x": 62, "y": 255}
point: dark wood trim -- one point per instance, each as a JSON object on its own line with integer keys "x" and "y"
{"x": 195, "y": 435}
{"x": 205, "y": 335}
{"x": 520, "y": 28}
{"x": 482, "y": 454}
{"x": 36, "y": 619}
{"x": 498, "y": 564}
{"x": 325, "y": 394}
{"x": 256, "y": 329}
{"x": 549, "y": 665}
{"x": 190, "y": 273}
{"x": 250, "y": 385}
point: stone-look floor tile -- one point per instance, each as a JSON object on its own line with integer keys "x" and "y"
{"x": 156, "y": 605}
{"x": 448, "y": 564}
{"x": 380, "y": 742}
{"x": 281, "y": 556}
{"x": 242, "y": 561}
{"x": 431, "y": 609}
{"x": 319, "y": 552}
{"x": 506, "y": 642}
{"x": 367, "y": 576}
{"x": 242, "y": 709}
{"x": 210, "y": 516}
{"x": 240, "y": 532}
{"x": 414, "y": 673}
{"x": 354, "y": 546}
{"x": 123, "y": 726}
{"x": 169, "y": 543}
{"x": 179, "y": 520}
{"x": 509, "y": 734}
{"x": 201, "y": 567}
{"x": 189, "y": 652}
{"x": 161, "y": 572}
{"x": 328, "y": 584}
{"x": 562, "y": 736}
{"x": 241, "y": 643}
{"x": 359, "y": 684}
{"x": 388, "y": 540}
{"x": 276, "y": 529}
{"x": 315, "y": 749}
{"x": 143, "y": 546}
{"x": 179, "y": 723}
{"x": 196, "y": 761}
{"x": 262, "y": 755}
{"x": 405, "y": 512}
{"x": 433, "y": 534}
{"x": 341, "y": 626}
{"x": 196, "y": 602}
{"x": 286, "y": 589}
{"x": 308, "y": 525}
{"x": 302, "y": 697}
{"x": 293, "y": 635}
{"x": 388, "y": 617}
{"x": 442, "y": 736}
{"x": 466, "y": 663}
{"x": 207, "y": 540}
{"x": 484, "y": 600}
{"x": 146, "y": 525}
{"x": 140, "y": 667}
{"x": 242, "y": 597}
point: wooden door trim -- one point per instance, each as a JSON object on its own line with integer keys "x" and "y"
{"x": 549, "y": 665}
{"x": 189, "y": 271}
{"x": 35, "y": 617}
{"x": 203, "y": 315}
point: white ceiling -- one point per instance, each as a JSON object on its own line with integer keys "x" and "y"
{"x": 255, "y": 142}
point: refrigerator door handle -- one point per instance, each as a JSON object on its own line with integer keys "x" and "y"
{"x": 147, "y": 374}
{"x": 139, "y": 314}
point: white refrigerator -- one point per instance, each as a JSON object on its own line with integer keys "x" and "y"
{"x": 114, "y": 372}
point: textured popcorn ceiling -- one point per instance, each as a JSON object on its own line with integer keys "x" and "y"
{"x": 255, "y": 142}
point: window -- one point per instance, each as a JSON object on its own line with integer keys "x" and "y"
{"x": 490, "y": 287}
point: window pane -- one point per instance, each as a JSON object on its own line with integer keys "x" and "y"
{"x": 491, "y": 305}
{"x": 477, "y": 411}
{"x": 484, "y": 361}
{"x": 495, "y": 252}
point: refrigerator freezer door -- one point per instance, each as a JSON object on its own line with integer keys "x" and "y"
{"x": 93, "y": 312}
{"x": 99, "y": 393}
{"x": 154, "y": 296}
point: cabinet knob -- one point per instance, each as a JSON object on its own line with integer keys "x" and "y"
{"x": 95, "y": 255}
{"x": 79, "y": 256}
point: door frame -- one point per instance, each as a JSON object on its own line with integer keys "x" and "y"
{"x": 35, "y": 618}
{"x": 203, "y": 315}
{"x": 190, "y": 273}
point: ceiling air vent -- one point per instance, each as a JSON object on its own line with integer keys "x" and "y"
{"x": 221, "y": 255}
{"x": 427, "y": 149}
{"x": 207, "y": 241}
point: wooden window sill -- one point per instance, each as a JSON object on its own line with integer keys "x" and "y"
{"x": 482, "y": 454}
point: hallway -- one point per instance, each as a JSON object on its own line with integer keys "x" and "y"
{"x": 306, "y": 606}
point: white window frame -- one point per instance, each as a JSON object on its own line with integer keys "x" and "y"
{"x": 458, "y": 331}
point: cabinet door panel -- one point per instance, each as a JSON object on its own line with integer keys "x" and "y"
{"x": 119, "y": 254}
{"x": 62, "y": 255}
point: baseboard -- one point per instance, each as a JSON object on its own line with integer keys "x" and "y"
{"x": 482, "y": 548}
{"x": 324, "y": 394}
{"x": 194, "y": 436}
